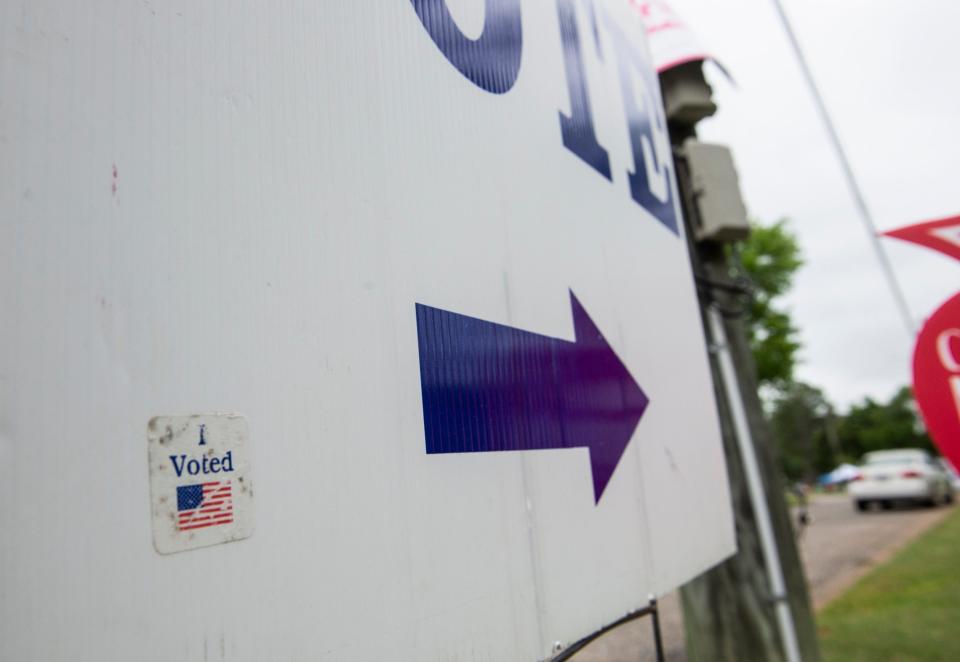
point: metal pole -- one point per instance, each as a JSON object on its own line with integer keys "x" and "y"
{"x": 657, "y": 637}
{"x": 768, "y": 543}
{"x": 852, "y": 183}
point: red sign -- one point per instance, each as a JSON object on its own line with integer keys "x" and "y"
{"x": 936, "y": 377}
{"x": 942, "y": 235}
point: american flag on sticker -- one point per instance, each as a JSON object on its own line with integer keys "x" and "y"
{"x": 204, "y": 504}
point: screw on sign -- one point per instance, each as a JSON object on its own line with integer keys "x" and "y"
{"x": 936, "y": 377}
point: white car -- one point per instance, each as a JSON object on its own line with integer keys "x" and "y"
{"x": 951, "y": 472}
{"x": 906, "y": 474}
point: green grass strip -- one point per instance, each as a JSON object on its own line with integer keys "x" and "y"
{"x": 906, "y": 609}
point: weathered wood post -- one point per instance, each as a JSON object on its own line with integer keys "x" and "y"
{"x": 730, "y": 611}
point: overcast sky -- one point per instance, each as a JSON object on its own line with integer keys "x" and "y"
{"x": 887, "y": 70}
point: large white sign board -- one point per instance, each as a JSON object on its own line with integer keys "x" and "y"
{"x": 313, "y": 215}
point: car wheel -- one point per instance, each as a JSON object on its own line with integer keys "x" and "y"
{"x": 862, "y": 506}
{"x": 948, "y": 497}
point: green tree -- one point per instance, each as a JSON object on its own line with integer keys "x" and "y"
{"x": 872, "y": 426}
{"x": 769, "y": 259}
{"x": 805, "y": 430}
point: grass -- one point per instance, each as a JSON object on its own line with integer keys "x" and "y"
{"x": 907, "y": 609}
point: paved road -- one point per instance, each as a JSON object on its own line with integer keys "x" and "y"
{"x": 837, "y": 549}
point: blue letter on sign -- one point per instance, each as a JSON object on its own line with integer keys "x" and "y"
{"x": 643, "y": 122}
{"x": 491, "y": 61}
{"x": 577, "y": 130}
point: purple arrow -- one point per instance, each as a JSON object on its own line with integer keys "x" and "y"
{"x": 489, "y": 387}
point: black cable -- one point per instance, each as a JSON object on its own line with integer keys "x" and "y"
{"x": 853, "y": 185}
{"x": 707, "y": 286}
{"x": 576, "y": 647}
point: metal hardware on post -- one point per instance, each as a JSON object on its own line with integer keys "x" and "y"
{"x": 768, "y": 542}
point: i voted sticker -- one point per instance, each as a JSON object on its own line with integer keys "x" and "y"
{"x": 200, "y": 483}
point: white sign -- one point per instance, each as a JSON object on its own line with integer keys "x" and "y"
{"x": 200, "y": 483}
{"x": 393, "y": 235}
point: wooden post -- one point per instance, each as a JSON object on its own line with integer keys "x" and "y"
{"x": 729, "y": 610}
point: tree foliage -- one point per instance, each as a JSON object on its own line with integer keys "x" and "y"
{"x": 804, "y": 428}
{"x": 872, "y": 426}
{"x": 769, "y": 259}
{"x": 813, "y": 439}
